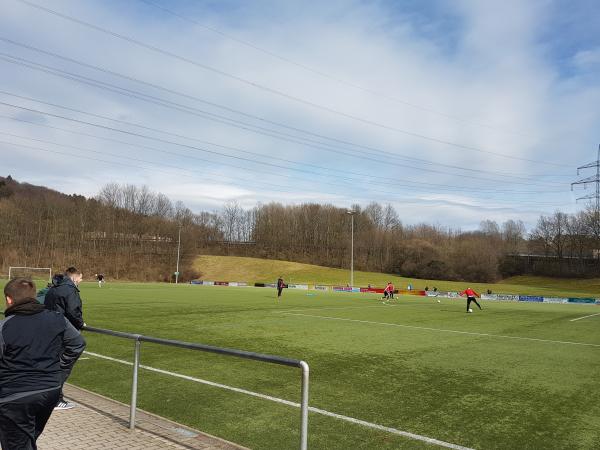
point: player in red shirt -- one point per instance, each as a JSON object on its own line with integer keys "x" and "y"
{"x": 471, "y": 297}
{"x": 388, "y": 292}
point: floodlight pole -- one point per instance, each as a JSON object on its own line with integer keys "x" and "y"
{"x": 351, "y": 212}
{"x": 178, "y": 248}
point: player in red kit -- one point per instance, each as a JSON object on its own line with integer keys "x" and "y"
{"x": 388, "y": 292}
{"x": 471, "y": 297}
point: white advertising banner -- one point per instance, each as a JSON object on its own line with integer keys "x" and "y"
{"x": 555, "y": 300}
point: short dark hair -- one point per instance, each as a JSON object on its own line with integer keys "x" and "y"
{"x": 20, "y": 289}
{"x": 72, "y": 271}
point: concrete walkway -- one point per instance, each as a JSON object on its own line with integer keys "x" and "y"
{"x": 101, "y": 423}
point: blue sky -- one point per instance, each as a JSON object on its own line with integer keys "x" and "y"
{"x": 453, "y": 112}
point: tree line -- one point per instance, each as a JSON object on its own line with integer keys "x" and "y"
{"x": 125, "y": 232}
{"x": 131, "y": 232}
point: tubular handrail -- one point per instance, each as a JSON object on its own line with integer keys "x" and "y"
{"x": 138, "y": 338}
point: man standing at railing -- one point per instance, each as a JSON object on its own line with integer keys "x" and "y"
{"x": 36, "y": 346}
{"x": 64, "y": 297}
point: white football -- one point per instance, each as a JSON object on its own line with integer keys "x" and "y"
{"x": 439, "y": 301}
{"x": 470, "y": 310}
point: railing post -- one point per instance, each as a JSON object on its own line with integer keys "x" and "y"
{"x": 304, "y": 407}
{"x": 134, "y": 382}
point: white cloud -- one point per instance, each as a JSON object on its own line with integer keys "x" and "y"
{"x": 495, "y": 89}
{"x": 586, "y": 59}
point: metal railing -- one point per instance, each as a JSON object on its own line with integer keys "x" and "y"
{"x": 138, "y": 338}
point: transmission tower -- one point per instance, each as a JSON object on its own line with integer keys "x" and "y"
{"x": 591, "y": 179}
{"x": 593, "y": 196}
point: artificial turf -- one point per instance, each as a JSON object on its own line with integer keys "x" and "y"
{"x": 513, "y": 376}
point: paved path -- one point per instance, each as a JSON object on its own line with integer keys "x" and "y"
{"x": 101, "y": 423}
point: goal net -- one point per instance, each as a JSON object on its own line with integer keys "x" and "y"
{"x": 33, "y": 273}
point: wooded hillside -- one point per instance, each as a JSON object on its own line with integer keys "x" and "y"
{"x": 130, "y": 232}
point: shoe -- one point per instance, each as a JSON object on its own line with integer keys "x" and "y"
{"x": 64, "y": 404}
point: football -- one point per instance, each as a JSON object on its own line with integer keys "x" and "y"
{"x": 470, "y": 310}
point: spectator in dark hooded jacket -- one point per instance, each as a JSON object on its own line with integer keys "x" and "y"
{"x": 64, "y": 297}
{"x": 36, "y": 347}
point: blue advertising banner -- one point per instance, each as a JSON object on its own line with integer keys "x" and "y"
{"x": 531, "y": 298}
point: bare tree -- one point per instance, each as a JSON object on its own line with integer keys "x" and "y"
{"x": 513, "y": 235}
{"x": 232, "y": 218}
{"x": 544, "y": 234}
{"x": 489, "y": 228}
{"x": 111, "y": 195}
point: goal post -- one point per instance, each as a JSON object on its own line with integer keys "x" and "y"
{"x": 39, "y": 273}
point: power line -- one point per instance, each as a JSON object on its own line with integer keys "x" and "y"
{"x": 174, "y": 154}
{"x": 129, "y": 132}
{"x": 193, "y": 157}
{"x": 220, "y": 106}
{"x": 387, "y": 183}
{"x": 194, "y": 111}
{"x": 204, "y": 178}
{"x": 120, "y": 156}
{"x": 272, "y": 90}
{"x": 208, "y": 115}
{"x": 324, "y": 74}
{"x": 270, "y": 185}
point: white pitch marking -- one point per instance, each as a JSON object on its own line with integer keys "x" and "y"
{"x": 332, "y": 308}
{"x": 444, "y": 330}
{"x": 375, "y": 426}
{"x": 585, "y": 317}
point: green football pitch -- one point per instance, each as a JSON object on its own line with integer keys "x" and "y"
{"x": 513, "y": 376}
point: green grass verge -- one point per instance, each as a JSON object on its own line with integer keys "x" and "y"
{"x": 397, "y": 366}
{"x": 235, "y": 268}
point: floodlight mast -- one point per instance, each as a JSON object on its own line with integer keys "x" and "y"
{"x": 351, "y": 212}
{"x": 178, "y": 248}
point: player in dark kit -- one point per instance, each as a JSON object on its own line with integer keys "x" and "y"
{"x": 280, "y": 286}
{"x": 471, "y": 297}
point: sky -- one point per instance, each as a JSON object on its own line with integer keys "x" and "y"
{"x": 453, "y": 112}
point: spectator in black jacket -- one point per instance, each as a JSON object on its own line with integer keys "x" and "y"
{"x": 36, "y": 347}
{"x": 64, "y": 297}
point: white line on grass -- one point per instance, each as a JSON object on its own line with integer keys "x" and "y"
{"x": 375, "y": 426}
{"x": 443, "y": 330}
{"x": 333, "y": 308}
{"x": 585, "y": 317}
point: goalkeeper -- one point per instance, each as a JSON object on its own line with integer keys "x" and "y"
{"x": 471, "y": 297}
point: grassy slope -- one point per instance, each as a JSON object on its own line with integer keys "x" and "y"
{"x": 478, "y": 391}
{"x": 233, "y": 268}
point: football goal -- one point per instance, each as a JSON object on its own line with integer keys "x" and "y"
{"x": 33, "y": 273}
